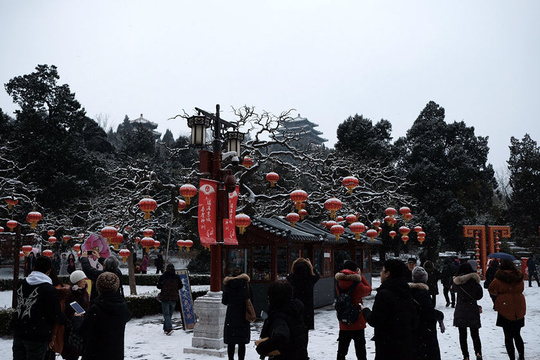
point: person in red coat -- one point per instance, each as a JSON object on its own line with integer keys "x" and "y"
{"x": 347, "y": 332}
{"x": 507, "y": 288}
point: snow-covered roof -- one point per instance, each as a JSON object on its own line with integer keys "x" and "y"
{"x": 143, "y": 121}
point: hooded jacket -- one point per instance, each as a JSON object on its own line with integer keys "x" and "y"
{"x": 169, "y": 283}
{"x": 424, "y": 335}
{"x": 235, "y": 292}
{"x": 508, "y": 288}
{"x": 38, "y": 308}
{"x": 303, "y": 279}
{"x": 468, "y": 291}
{"x": 345, "y": 279}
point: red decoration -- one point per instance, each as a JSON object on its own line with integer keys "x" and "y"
{"x": 124, "y": 253}
{"x": 48, "y": 253}
{"x": 392, "y": 234}
{"x": 357, "y": 228}
{"x": 66, "y": 238}
{"x": 372, "y": 234}
{"x": 12, "y": 224}
{"x": 407, "y": 217}
{"x": 418, "y": 228}
{"x": 189, "y": 244}
{"x": 351, "y": 218}
{"x": 303, "y": 213}
{"x": 50, "y": 232}
{"x": 11, "y": 201}
{"x": 117, "y": 240}
{"x": 376, "y": 223}
{"x": 109, "y": 232}
{"x": 181, "y": 205}
{"x": 188, "y": 191}
{"x": 157, "y": 244}
{"x": 147, "y": 205}
{"x": 404, "y": 210}
{"x": 248, "y": 162}
{"x": 292, "y": 218}
{"x": 350, "y": 182}
{"x": 147, "y": 243}
{"x": 330, "y": 223}
{"x": 333, "y": 205}
{"x": 337, "y": 230}
{"x": 77, "y": 247}
{"x": 26, "y": 249}
{"x": 33, "y": 217}
{"x": 148, "y": 232}
{"x": 242, "y": 222}
{"x": 272, "y": 177}
{"x": 421, "y": 237}
{"x": 405, "y": 238}
{"x": 390, "y": 211}
{"x": 52, "y": 240}
{"x": 298, "y": 197}
{"x": 1, "y": 229}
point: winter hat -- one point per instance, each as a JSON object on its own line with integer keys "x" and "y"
{"x": 350, "y": 265}
{"x": 77, "y": 276}
{"x": 107, "y": 283}
{"x": 412, "y": 261}
{"x": 419, "y": 275}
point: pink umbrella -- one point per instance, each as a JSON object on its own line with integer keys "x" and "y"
{"x": 97, "y": 242}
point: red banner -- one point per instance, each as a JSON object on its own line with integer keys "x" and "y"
{"x": 229, "y": 230}
{"x": 207, "y": 211}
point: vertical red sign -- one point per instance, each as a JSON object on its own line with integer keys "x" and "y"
{"x": 207, "y": 212}
{"x": 229, "y": 230}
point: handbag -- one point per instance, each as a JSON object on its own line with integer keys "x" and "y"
{"x": 250, "y": 311}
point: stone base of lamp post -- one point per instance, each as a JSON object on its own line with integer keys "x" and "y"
{"x": 208, "y": 332}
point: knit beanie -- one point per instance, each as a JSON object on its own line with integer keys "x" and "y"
{"x": 77, "y": 276}
{"x": 107, "y": 283}
{"x": 419, "y": 275}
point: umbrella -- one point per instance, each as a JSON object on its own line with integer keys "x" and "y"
{"x": 502, "y": 256}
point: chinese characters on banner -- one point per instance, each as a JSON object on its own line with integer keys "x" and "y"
{"x": 229, "y": 229}
{"x": 207, "y": 212}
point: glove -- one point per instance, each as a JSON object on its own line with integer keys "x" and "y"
{"x": 441, "y": 325}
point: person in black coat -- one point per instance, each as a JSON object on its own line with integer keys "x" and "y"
{"x": 236, "y": 291}
{"x": 158, "y": 262}
{"x": 447, "y": 275}
{"x": 490, "y": 276}
{"x": 533, "y": 272}
{"x": 169, "y": 283}
{"x": 105, "y": 321}
{"x": 110, "y": 264}
{"x": 424, "y": 336}
{"x": 393, "y": 315}
{"x": 283, "y": 336}
{"x": 467, "y": 315}
{"x": 303, "y": 278}
{"x": 433, "y": 278}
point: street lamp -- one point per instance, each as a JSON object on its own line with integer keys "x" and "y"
{"x": 208, "y": 333}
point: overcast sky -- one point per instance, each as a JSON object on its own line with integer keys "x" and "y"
{"x": 480, "y": 60}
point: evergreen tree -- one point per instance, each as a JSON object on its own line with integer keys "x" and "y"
{"x": 168, "y": 138}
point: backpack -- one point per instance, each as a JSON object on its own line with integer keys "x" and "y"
{"x": 346, "y": 311}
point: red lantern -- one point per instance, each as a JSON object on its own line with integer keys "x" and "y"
{"x": 350, "y": 182}
{"x": 48, "y": 253}
{"x": 52, "y": 240}
{"x": 77, "y": 247}
{"x": 372, "y": 234}
{"x": 148, "y": 232}
{"x": 292, "y": 218}
{"x": 188, "y": 244}
{"x": 1, "y": 229}
{"x": 298, "y": 197}
{"x": 137, "y": 240}
{"x": 147, "y": 205}
{"x": 421, "y": 237}
{"x": 407, "y": 217}
{"x": 181, "y": 205}
{"x": 376, "y": 223}
{"x": 357, "y": 228}
{"x": 188, "y": 191}
{"x": 272, "y": 177}
{"x": 124, "y": 253}
{"x": 33, "y": 217}
{"x": 147, "y": 243}
{"x": 405, "y": 238}
{"x": 26, "y": 249}
{"x": 109, "y": 232}
{"x": 303, "y": 213}
{"x": 404, "y": 210}
{"x": 66, "y": 238}
{"x": 12, "y": 224}
{"x": 351, "y": 218}
{"x": 392, "y": 234}
{"x": 248, "y": 162}
{"x": 418, "y": 228}
{"x": 403, "y": 230}
{"x": 330, "y": 223}
{"x": 337, "y": 230}
{"x": 390, "y": 211}
{"x": 21, "y": 254}
{"x": 242, "y": 221}
{"x": 11, "y": 201}
{"x": 50, "y": 232}
{"x": 333, "y": 205}
{"x": 157, "y": 244}
{"x": 117, "y": 240}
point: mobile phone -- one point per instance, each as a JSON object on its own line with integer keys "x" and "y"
{"x": 78, "y": 308}
{"x": 89, "y": 252}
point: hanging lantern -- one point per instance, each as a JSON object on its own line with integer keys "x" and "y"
{"x": 77, "y": 247}
{"x": 180, "y": 243}
{"x": 405, "y": 238}
{"x": 21, "y": 254}
{"x": 337, "y": 230}
{"x": 157, "y": 244}
{"x": 350, "y": 182}
{"x": 109, "y": 232}
{"x": 407, "y": 217}
{"x": 12, "y": 224}
{"x": 323, "y": 223}
{"x": 357, "y": 228}
{"x": 148, "y": 232}
{"x": 124, "y": 253}
{"x": 330, "y": 223}
{"x": 292, "y": 218}
{"x": 50, "y": 232}
{"x": 421, "y": 237}
{"x": 417, "y": 228}
{"x": 33, "y": 217}
{"x": 390, "y": 212}
{"x": 372, "y": 234}
{"x": 272, "y": 177}
{"x": 1, "y": 229}
{"x": 137, "y": 240}
{"x": 392, "y": 234}
{"x": 52, "y": 240}
{"x": 48, "y": 253}
{"x": 248, "y": 162}
{"x": 11, "y": 201}
{"x": 298, "y": 197}
{"x": 147, "y": 243}
{"x": 188, "y": 191}
{"x": 333, "y": 205}
{"x": 351, "y": 218}
{"x": 404, "y": 210}
{"x": 403, "y": 230}
{"x": 147, "y": 205}
{"x": 340, "y": 218}
{"x": 242, "y": 221}
{"x": 66, "y": 238}
{"x": 117, "y": 240}
{"x": 26, "y": 249}
{"x": 376, "y": 223}
{"x": 303, "y": 213}
{"x": 181, "y": 205}
{"x": 188, "y": 244}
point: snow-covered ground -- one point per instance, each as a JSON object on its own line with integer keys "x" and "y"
{"x": 145, "y": 338}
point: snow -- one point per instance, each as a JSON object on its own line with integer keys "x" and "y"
{"x": 145, "y": 338}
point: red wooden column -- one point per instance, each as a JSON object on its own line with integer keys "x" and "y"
{"x": 480, "y": 231}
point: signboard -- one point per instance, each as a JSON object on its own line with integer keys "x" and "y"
{"x": 186, "y": 301}
{"x": 207, "y": 212}
{"x": 229, "y": 228}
